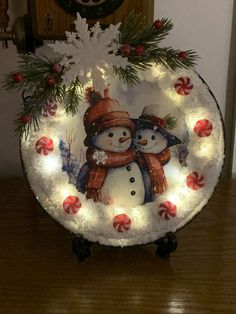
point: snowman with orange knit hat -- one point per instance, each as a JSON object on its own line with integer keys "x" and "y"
{"x": 111, "y": 173}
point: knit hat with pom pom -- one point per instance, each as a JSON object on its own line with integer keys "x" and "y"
{"x": 104, "y": 113}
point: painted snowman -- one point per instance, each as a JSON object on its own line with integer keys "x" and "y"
{"x": 111, "y": 175}
{"x": 152, "y": 142}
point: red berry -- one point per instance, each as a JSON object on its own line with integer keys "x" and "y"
{"x": 161, "y": 122}
{"x": 57, "y": 68}
{"x": 51, "y": 81}
{"x": 157, "y": 24}
{"x": 139, "y": 50}
{"x": 182, "y": 55}
{"x": 26, "y": 118}
{"x": 126, "y": 50}
{"x": 18, "y": 77}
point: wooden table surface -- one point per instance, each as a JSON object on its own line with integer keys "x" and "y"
{"x": 39, "y": 274}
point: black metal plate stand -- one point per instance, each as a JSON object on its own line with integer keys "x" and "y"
{"x": 166, "y": 245}
{"x": 82, "y": 248}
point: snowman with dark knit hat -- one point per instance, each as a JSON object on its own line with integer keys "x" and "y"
{"x": 152, "y": 140}
{"x": 111, "y": 173}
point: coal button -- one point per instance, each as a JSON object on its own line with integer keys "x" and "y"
{"x": 128, "y": 168}
{"x": 133, "y": 193}
{"x": 132, "y": 180}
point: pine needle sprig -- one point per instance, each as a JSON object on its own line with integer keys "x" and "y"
{"x": 135, "y": 32}
{"x": 170, "y": 121}
{"x": 34, "y": 71}
{"x": 9, "y": 84}
{"x": 33, "y": 111}
{"x": 169, "y": 57}
{"x": 129, "y": 75}
{"x": 73, "y": 97}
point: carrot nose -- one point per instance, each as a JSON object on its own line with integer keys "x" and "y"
{"x": 124, "y": 139}
{"x": 142, "y": 142}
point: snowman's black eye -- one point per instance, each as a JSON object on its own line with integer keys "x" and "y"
{"x": 124, "y": 133}
{"x": 139, "y": 137}
{"x": 110, "y": 134}
{"x": 153, "y": 137}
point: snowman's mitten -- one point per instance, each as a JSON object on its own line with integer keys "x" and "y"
{"x": 94, "y": 194}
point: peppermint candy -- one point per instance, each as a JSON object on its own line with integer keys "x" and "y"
{"x": 183, "y": 86}
{"x": 44, "y": 146}
{"x": 71, "y": 205}
{"x": 195, "y": 181}
{"x": 50, "y": 108}
{"x": 122, "y": 222}
{"x": 167, "y": 210}
{"x": 203, "y": 128}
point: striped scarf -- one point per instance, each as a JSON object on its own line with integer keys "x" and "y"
{"x": 154, "y": 163}
{"x": 98, "y": 168}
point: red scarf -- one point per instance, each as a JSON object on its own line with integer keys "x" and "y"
{"x": 154, "y": 163}
{"x": 98, "y": 170}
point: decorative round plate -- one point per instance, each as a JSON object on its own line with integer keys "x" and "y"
{"x": 134, "y": 163}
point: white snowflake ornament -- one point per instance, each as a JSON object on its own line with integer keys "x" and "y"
{"x": 100, "y": 157}
{"x": 90, "y": 54}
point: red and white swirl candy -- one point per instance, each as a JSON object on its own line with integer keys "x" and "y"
{"x": 71, "y": 205}
{"x": 203, "y": 128}
{"x": 195, "y": 181}
{"x": 167, "y": 210}
{"x": 183, "y": 86}
{"x": 122, "y": 222}
{"x": 50, "y": 108}
{"x": 44, "y": 145}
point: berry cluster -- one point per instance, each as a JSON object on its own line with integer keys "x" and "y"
{"x": 51, "y": 79}
{"x": 126, "y": 50}
{"x": 139, "y": 50}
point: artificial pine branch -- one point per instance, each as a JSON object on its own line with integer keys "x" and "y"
{"x": 73, "y": 97}
{"x": 35, "y": 70}
{"x": 136, "y": 32}
{"x": 33, "y": 111}
{"x": 38, "y": 77}
{"x": 169, "y": 57}
{"x": 129, "y": 75}
{"x": 170, "y": 121}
